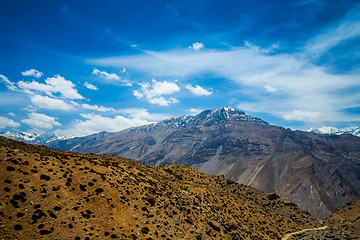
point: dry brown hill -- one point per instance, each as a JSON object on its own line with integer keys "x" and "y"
{"x": 52, "y": 194}
{"x": 344, "y": 224}
{"x": 346, "y": 221}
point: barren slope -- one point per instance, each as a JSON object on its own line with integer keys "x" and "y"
{"x": 51, "y": 194}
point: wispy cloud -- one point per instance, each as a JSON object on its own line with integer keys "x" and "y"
{"x": 96, "y": 108}
{"x": 90, "y": 86}
{"x": 105, "y": 75}
{"x": 294, "y": 81}
{"x": 32, "y": 73}
{"x": 142, "y": 113}
{"x": 197, "y": 90}
{"x": 302, "y": 116}
{"x": 269, "y": 88}
{"x": 346, "y": 30}
{"x": 112, "y": 78}
{"x": 10, "y": 85}
{"x": 153, "y": 92}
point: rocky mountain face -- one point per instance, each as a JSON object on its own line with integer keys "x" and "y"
{"x": 33, "y": 138}
{"x": 52, "y": 194}
{"x": 319, "y": 173}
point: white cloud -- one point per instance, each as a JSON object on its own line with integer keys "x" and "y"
{"x": 142, "y": 113}
{"x": 127, "y": 83}
{"x": 28, "y": 87}
{"x": 40, "y": 121}
{"x": 138, "y": 94}
{"x": 269, "y": 88}
{"x": 51, "y": 103}
{"x": 194, "y": 111}
{"x": 304, "y": 86}
{"x": 346, "y": 30}
{"x": 105, "y": 75}
{"x": 197, "y": 46}
{"x": 159, "y": 101}
{"x": 153, "y": 92}
{"x": 302, "y": 116}
{"x": 160, "y": 88}
{"x": 97, "y": 108}
{"x": 112, "y": 77}
{"x": 6, "y": 122}
{"x": 162, "y": 101}
{"x": 97, "y": 123}
{"x": 90, "y": 86}
{"x": 198, "y": 90}
{"x": 12, "y": 114}
{"x": 57, "y": 84}
{"x": 33, "y": 73}
{"x": 10, "y": 85}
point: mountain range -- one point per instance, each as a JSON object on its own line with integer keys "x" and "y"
{"x": 320, "y": 173}
{"x": 333, "y": 130}
{"x": 33, "y": 138}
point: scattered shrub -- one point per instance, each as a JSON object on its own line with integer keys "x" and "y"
{"x": 10, "y": 168}
{"x": 145, "y": 230}
{"x": 18, "y": 227}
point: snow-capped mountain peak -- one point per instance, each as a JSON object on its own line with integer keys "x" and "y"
{"x": 34, "y": 138}
{"x": 333, "y": 130}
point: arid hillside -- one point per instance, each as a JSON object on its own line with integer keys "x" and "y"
{"x": 347, "y": 220}
{"x": 344, "y": 224}
{"x": 52, "y": 194}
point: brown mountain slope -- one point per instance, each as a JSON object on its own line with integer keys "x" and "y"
{"x": 347, "y": 220}
{"x": 51, "y": 194}
{"x": 344, "y": 224}
{"x": 320, "y": 173}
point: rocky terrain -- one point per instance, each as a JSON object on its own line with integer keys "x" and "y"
{"x": 318, "y": 172}
{"x": 52, "y": 194}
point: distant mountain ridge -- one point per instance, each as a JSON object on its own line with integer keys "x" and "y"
{"x": 333, "y": 130}
{"x": 320, "y": 173}
{"x": 205, "y": 118}
{"x": 33, "y": 137}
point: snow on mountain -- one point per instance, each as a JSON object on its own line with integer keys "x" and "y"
{"x": 333, "y": 130}
{"x": 33, "y": 138}
{"x": 205, "y": 118}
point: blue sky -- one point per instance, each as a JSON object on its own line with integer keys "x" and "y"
{"x": 80, "y": 67}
